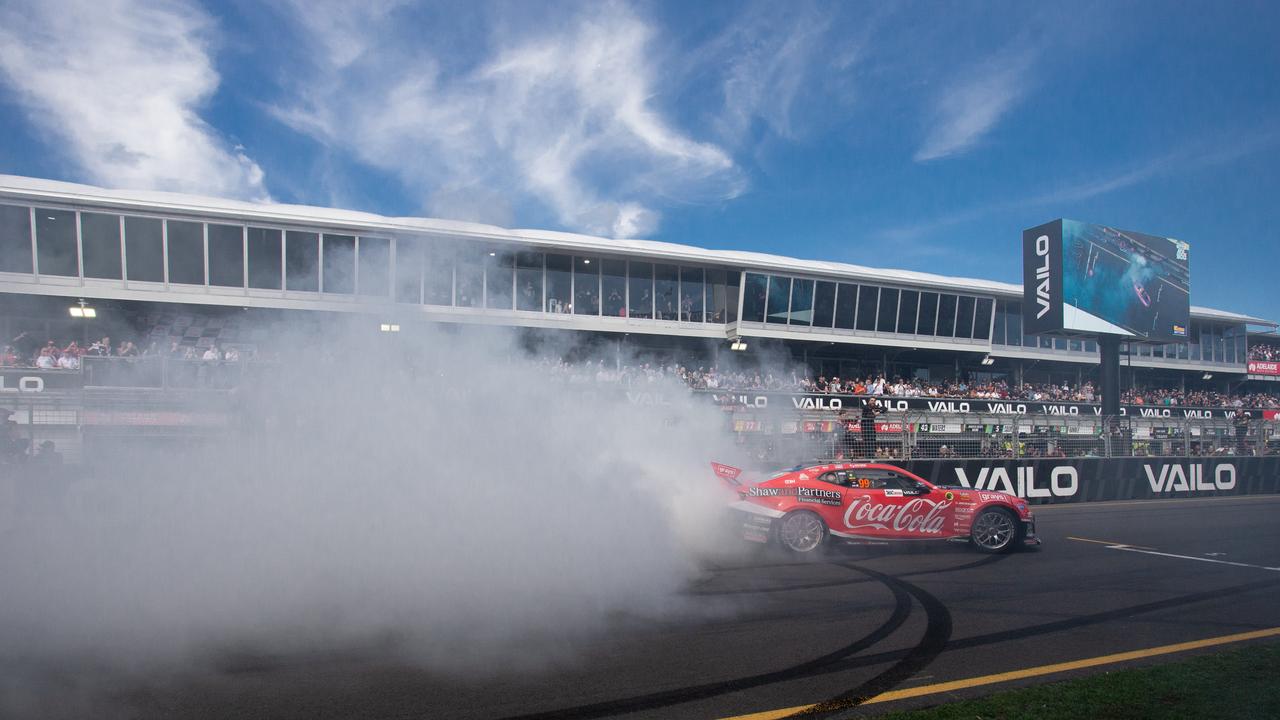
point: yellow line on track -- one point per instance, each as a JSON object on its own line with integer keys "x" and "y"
{"x": 943, "y": 687}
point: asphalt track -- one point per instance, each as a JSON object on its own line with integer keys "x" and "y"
{"x": 825, "y": 638}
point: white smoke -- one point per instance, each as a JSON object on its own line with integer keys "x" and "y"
{"x": 436, "y": 492}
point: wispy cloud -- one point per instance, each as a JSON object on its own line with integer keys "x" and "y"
{"x": 771, "y": 64}
{"x": 119, "y": 85}
{"x": 966, "y": 110}
{"x": 768, "y": 55}
{"x": 1185, "y": 159}
{"x": 1074, "y": 192}
{"x": 564, "y": 115}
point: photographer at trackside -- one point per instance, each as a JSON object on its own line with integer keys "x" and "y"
{"x": 870, "y": 408}
{"x": 1241, "y": 421}
{"x": 846, "y": 438}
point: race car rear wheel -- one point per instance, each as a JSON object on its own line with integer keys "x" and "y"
{"x": 801, "y": 532}
{"x": 995, "y": 530}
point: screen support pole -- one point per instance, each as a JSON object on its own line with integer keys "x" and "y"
{"x": 1109, "y": 373}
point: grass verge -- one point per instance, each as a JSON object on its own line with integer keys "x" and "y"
{"x": 1238, "y": 684}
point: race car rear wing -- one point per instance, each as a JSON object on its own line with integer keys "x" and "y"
{"x": 727, "y": 473}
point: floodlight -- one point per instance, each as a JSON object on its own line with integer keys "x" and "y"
{"x": 82, "y": 310}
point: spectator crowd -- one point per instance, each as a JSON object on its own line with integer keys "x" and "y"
{"x": 25, "y": 350}
{"x": 1264, "y": 352}
{"x": 713, "y": 378}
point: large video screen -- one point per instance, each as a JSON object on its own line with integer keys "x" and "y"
{"x": 1081, "y": 277}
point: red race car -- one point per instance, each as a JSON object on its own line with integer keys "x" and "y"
{"x": 802, "y": 508}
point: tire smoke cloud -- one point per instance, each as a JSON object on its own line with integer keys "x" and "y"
{"x": 435, "y": 492}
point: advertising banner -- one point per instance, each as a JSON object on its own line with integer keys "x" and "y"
{"x": 31, "y": 380}
{"x": 1090, "y": 479}
{"x": 1042, "y": 278}
{"x": 1085, "y": 278}
{"x": 775, "y": 401}
{"x": 1259, "y": 367}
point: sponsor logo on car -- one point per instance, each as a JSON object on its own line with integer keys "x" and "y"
{"x": 917, "y": 515}
{"x": 802, "y": 494}
{"x": 819, "y": 501}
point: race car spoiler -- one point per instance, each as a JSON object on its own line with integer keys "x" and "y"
{"x": 728, "y": 473}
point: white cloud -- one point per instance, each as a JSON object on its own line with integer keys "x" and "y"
{"x": 966, "y": 110}
{"x": 564, "y": 116}
{"x": 118, "y": 84}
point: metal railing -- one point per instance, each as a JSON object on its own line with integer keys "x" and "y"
{"x": 161, "y": 373}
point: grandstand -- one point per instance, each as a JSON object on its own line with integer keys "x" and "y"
{"x": 177, "y": 275}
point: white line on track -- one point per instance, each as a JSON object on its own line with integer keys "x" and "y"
{"x": 1129, "y": 548}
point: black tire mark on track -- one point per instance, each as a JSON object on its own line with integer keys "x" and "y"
{"x": 932, "y": 643}
{"x": 768, "y": 556}
{"x": 901, "y": 611}
{"x": 988, "y": 560}
{"x": 1059, "y": 625}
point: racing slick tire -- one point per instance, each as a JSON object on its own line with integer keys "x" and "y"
{"x": 996, "y": 530}
{"x": 801, "y": 532}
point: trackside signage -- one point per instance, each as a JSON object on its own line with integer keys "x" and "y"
{"x": 1063, "y": 481}
{"x": 30, "y": 380}
{"x": 1089, "y": 479}
{"x": 853, "y": 404}
{"x": 1257, "y": 367}
{"x": 1042, "y": 278}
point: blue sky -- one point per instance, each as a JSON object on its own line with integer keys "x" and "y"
{"x": 908, "y": 135}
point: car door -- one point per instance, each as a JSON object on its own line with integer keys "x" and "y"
{"x": 888, "y": 504}
{"x": 867, "y": 510}
{"x": 827, "y": 495}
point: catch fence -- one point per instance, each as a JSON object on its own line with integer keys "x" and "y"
{"x": 924, "y": 436}
{"x": 33, "y": 426}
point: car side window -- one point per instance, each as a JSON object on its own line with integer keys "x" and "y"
{"x": 836, "y": 477}
{"x": 866, "y": 479}
{"x": 881, "y": 480}
{"x": 898, "y": 482}
{"x": 904, "y": 483}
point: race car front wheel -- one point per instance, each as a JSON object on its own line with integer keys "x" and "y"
{"x": 801, "y": 532}
{"x": 995, "y": 530}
